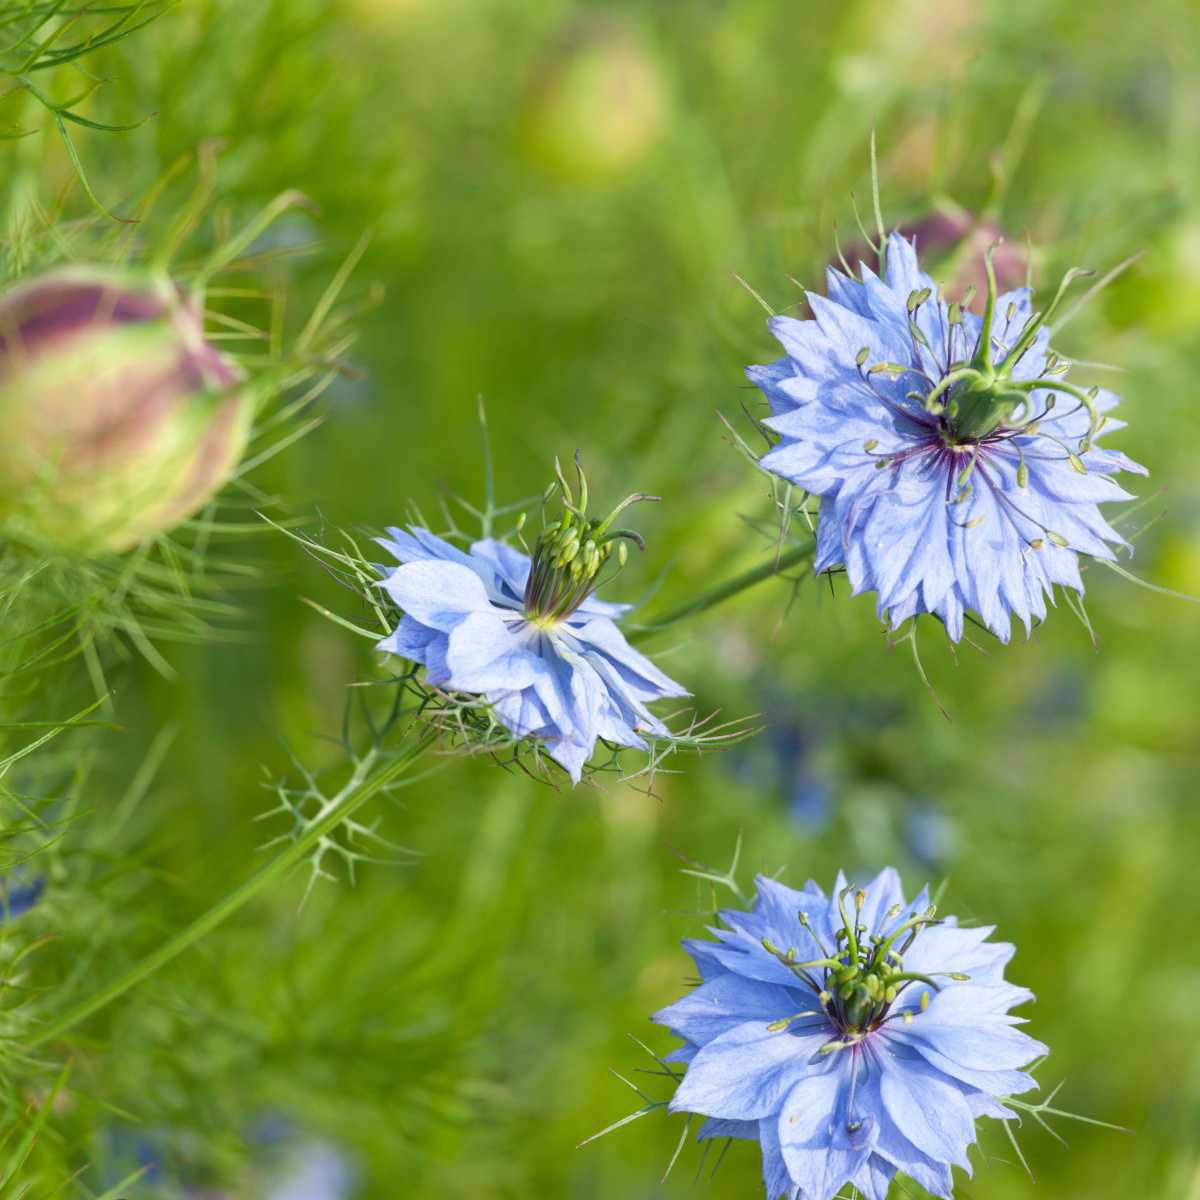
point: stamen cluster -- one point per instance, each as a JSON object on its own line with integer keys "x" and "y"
{"x": 863, "y": 977}
{"x": 570, "y": 553}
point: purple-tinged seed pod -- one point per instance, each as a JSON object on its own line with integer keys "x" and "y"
{"x": 120, "y": 418}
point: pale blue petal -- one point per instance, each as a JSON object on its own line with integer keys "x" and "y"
{"x": 776, "y": 1180}
{"x": 486, "y": 654}
{"x": 824, "y": 1146}
{"x": 419, "y": 545}
{"x": 774, "y": 380}
{"x": 745, "y": 1074}
{"x": 883, "y": 893}
{"x": 874, "y": 1181}
{"x": 995, "y": 1082}
{"x": 510, "y": 565}
{"x": 701, "y": 953}
{"x": 573, "y": 695}
{"x": 410, "y": 639}
{"x": 684, "y": 1054}
{"x": 928, "y": 1108}
{"x": 724, "y": 1003}
{"x": 438, "y": 594}
{"x": 600, "y": 634}
{"x": 712, "y": 1128}
{"x": 967, "y": 951}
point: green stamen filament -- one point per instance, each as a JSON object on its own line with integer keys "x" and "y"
{"x": 981, "y": 396}
{"x": 570, "y": 553}
{"x": 864, "y": 978}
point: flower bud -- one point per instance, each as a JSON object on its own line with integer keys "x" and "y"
{"x": 120, "y": 419}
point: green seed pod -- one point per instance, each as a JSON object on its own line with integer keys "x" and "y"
{"x": 120, "y": 419}
{"x": 858, "y": 1004}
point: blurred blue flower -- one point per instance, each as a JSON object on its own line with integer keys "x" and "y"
{"x": 314, "y": 1170}
{"x": 527, "y": 636}
{"x": 951, "y": 477}
{"x": 854, "y": 1037}
{"x": 126, "y": 1149}
{"x": 783, "y": 763}
{"x": 929, "y": 835}
{"x": 19, "y": 893}
{"x": 810, "y": 801}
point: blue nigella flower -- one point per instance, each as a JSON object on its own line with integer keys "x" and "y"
{"x": 957, "y": 468}
{"x": 854, "y": 1037}
{"x": 19, "y": 893}
{"x": 527, "y": 634}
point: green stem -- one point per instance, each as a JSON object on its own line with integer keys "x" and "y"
{"x": 359, "y": 788}
{"x": 24, "y": 161}
{"x": 723, "y": 591}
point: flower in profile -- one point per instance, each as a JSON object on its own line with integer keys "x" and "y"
{"x": 121, "y": 418}
{"x": 958, "y": 470}
{"x": 855, "y": 1037}
{"x": 527, "y": 633}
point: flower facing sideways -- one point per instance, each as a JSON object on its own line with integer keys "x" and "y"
{"x": 855, "y": 1037}
{"x": 527, "y": 634}
{"x": 958, "y": 470}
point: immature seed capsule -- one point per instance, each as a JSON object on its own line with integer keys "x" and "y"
{"x": 120, "y": 420}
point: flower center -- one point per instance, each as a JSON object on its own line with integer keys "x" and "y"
{"x": 864, "y": 974}
{"x": 967, "y": 404}
{"x": 979, "y": 404}
{"x": 970, "y": 395}
{"x": 570, "y": 553}
{"x": 566, "y": 562}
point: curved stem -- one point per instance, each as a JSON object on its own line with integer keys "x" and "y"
{"x": 723, "y": 591}
{"x": 359, "y": 788}
{"x": 1058, "y": 385}
{"x": 947, "y": 382}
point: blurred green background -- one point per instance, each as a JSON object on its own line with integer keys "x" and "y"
{"x": 559, "y": 196}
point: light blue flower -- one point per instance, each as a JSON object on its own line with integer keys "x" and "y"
{"x": 314, "y": 1170}
{"x": 19, "y": 892}
{"x": 855, "y": 1037}
{"x": 528, "y": 635}
{"x": 957, "y": 468}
